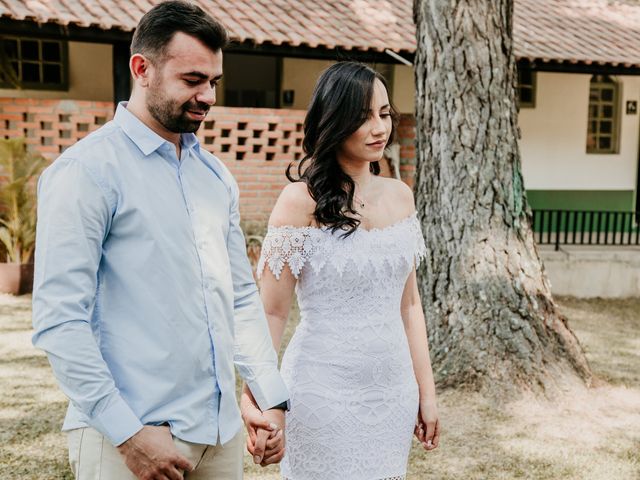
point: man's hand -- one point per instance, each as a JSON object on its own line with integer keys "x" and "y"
{"x": 151, "y": 455}
{"x": 265, "y": 439}
{"x": 268, "y": 446}
{"x": 262, "y": 430}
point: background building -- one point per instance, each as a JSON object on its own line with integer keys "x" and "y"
{"x": 579, "y": 85}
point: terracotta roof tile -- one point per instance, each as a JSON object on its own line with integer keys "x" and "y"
{"x": 590, "y": 31}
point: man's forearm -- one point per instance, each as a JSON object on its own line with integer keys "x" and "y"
{"x": 85, "y": 378}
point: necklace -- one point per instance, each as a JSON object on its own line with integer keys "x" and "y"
{"x": 359, "y": 200}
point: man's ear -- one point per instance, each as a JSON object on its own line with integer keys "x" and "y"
{"x": 140, "y": 66}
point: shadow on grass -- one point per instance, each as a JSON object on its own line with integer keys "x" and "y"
{"x": 34, "y": 467}
{"x": 30, "y": 424}
{"x": 32, "y": 361}
{"x": 32, "y": 445}
{"x": 608, "y": 331}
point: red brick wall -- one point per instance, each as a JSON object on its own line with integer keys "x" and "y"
{"x": 256, "y": 144}
{"x": 51, "y": 125}
{"x": 406, "y": 137}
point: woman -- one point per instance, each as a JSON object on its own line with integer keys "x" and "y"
{"x": 357, "y": 367}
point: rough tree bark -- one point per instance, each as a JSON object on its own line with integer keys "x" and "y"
{"x": 490, "y": 315}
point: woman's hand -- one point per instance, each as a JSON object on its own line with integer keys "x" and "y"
{"x": 269, "y": 445}
{"x": 427, "y": 428}
{"x": 265, "y": 439}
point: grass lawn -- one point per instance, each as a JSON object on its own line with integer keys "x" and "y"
{"x": 580, "y": 434}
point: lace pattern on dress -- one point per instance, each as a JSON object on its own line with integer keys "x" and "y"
{"x": 319, "y": 247}
{"x": 348, "y": 365}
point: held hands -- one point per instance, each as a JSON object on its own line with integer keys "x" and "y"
{"x": 427, "y": 428}
{"x": 151, "y": 454}
{"x": 267, "y": 444}
{"x": 265, "y": 440}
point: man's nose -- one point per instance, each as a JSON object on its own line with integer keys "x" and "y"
{"x": 207, "y": 95}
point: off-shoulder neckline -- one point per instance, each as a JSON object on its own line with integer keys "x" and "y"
{"x": 307, "y": 228}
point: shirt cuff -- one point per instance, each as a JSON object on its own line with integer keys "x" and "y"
{"x": 269, "y": 390}
{"x": 117, "y": 422}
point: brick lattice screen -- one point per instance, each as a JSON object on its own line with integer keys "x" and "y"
{"x": 50, "y": 126}
{"x": 256, "y": 144}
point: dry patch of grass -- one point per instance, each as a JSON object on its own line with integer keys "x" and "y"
{"x": 581, "y": 434}
{"x": 609, "y": 331}
{"x": 31, "y": 405}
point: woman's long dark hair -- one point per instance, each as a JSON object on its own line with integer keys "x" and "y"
{"x": 339, "y": 105}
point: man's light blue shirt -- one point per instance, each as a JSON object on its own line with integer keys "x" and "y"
{"x": 144, "y": 298}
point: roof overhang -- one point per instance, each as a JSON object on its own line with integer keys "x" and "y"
{"x": 98, "y": 34}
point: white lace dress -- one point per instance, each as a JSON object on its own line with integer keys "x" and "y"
{"x": 354, "y": 397}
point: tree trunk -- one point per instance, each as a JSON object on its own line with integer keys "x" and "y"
{"x": 490, "y": 316}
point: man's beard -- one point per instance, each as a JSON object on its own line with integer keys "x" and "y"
{"x": 171, "y": 116}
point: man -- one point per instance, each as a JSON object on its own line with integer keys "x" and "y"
{"x": 144, "y": 297}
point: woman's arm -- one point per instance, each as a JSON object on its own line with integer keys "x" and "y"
{"x": 428, "y": 428}
{"x": 277, "y": 296}
{"x": 265, "y": 442}
{"x": 293, "y": 208}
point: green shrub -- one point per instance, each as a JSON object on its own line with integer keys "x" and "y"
{"x": 18, "y": 168}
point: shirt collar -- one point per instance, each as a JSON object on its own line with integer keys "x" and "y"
{"x": 146, "y": 139}
{"x": 189, "y": 140}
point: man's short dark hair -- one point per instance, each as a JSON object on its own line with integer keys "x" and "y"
{"x": 158, "y": 26}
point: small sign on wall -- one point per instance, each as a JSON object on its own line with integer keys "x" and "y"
{"x": 632, "y": 107}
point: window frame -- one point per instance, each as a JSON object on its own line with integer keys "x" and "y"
{"x": 533, "y": 87}
{"x": 63, "y": 62}
{"x": 614, "y": 135}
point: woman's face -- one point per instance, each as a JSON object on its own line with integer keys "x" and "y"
{"x": 367, "y": 143}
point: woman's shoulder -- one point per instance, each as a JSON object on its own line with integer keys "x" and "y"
{"x": 398, "y": 193}
{"x": 294, "y": 207}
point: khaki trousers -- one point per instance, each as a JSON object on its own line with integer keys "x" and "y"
{"x": 92, "y": 457}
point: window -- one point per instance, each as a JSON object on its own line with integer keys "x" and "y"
{"x": 526, "y": 91}
{"x": 33, "y": 63}
{"x": 251, "y": 81}
{"x": 602, "y": 129}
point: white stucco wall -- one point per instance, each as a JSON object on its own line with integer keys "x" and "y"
{"x": 554, "y": 136}
{"x": 90, "y": 75}
{"x": 300, "y": 75}
{"x": 554, "y": 133}
{"x": 403, "y": 89}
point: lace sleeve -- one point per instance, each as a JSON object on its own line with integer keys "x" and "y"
{"x": 420, "y": 248}
{"x": 292, "y": 246}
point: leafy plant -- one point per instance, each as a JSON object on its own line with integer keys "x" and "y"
{"x": 7, "y": 71}
{"x": 254, "y": 233}
{"x": 18, "y": 170}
